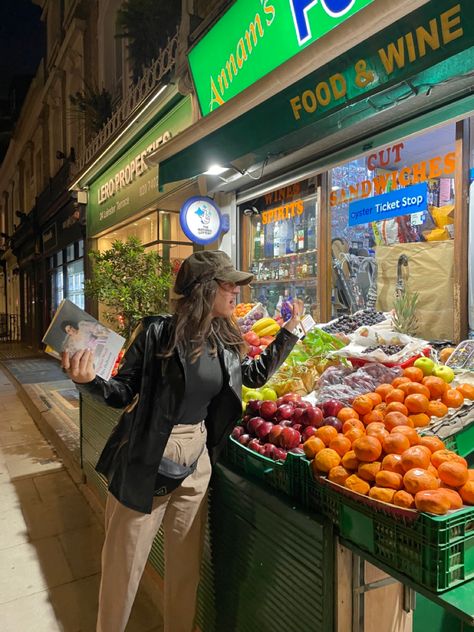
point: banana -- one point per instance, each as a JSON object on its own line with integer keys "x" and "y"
{"x": 262, "y": 323}
{"x": 269, "y": 330}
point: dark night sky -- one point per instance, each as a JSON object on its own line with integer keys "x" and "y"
{"x": 21, "y": 40}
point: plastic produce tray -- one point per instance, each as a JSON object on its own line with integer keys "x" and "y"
{"x": 437, "y": 552}
{"x": 280, "y": 475}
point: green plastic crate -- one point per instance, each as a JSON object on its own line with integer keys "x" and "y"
{"x": 280, "y": 475}
{"x": 462, "y": 442}
{"x": 435, "y": 551}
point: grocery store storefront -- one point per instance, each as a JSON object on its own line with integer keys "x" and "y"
{"x": 361, "y": 168}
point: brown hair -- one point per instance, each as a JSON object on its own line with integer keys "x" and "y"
{"x": 193, "y": 322}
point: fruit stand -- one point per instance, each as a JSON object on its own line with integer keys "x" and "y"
{"x": 339, "y": 478}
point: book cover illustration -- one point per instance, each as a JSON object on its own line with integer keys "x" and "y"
{"x": 72, "y": 329}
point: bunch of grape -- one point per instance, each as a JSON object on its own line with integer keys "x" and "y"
{"x": 387, "y": 349}
{"x": 347, "y": 324}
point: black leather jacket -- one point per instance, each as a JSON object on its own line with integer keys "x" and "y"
{"x": 152, "y": 389}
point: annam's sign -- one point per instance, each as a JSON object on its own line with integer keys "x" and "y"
{"x": 256, "y": 36}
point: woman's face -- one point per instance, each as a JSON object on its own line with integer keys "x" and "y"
{"x": 71, "y": 331}
{"x": 225, "y": 300}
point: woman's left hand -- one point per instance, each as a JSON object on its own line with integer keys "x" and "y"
{"x": 297, "y": 311}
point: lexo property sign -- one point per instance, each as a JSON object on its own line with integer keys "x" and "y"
{"x": 256, "y": 36}
{"x": 130, "y": 185}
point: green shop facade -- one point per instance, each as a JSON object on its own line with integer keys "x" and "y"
{"x": 305, "y": 166}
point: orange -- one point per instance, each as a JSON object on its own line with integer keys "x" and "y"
{"x": 383, "y": 390}
{"x": 375, "y": 397}
{"x": 338, "y": 474}
{"x": 394, "y": 419}
{"x": 367, "y": 449}
{"x": 435, "y": 385}
{"x": 382, "y": 493}
{"x": 341, "y": 444}
{"x": 437, "y": 409}
{"x": 470, "y": 474}
{"x": 377, "y": 429}
{"x": 396, "y": 407}
{"x": 453, "y": 473}
{"x": 453, "y": 496}
{"x": 417, "y": 479}
{"x": 417, "y": 403}
{"x": 409, "y": 432}
{"x": 403, "y": 499}
{"x": 440, "y": 456}
{"x": 414, "y": 388}
{"x": 352, "y": 423}
{"x": 382, "y": 407}
{"x": 326, "y": 459}
{"x": 312, "y": 446}
{"x": 389, "y": 479}
{"x": 357, "y": 484}
{"x": 432, "y": 501}
{"x": 413, "y": 373}
{"x": 374, "y": 415}
{"x": 416, "y": 456}
{"x": 393, "y": 463}
{"x": 326, "y": 434}
{"x": 466, "y": 390}
{"x": 367, "y": 471}
{"x": 398, "y": 381}
{"x": 396, "y": 443}
{"x": 347, "y": 413}
{"x": 432, "y": 470}
{"x": 453, "y": 398}
{"x": 350, "y": 461}
{"x": 363, "y": 404}
{"x": 354, "y": 434}
{"x": 467, "y": 492}
{"x": 433, "y": 443}
{"x": 420, "y": 420}
{"x": 395, "y": 396}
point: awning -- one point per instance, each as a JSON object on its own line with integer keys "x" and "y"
{"x": 355, "y": 86}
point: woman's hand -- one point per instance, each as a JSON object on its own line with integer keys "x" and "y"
{"x": 297, "y": 311}
{"x": 79, "y": 367}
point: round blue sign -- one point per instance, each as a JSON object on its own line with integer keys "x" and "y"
{"x": 201, "y": 220}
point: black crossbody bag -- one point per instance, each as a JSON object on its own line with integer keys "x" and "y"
{"x": 171, "y": 475}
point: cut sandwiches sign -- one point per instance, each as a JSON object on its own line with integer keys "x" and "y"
{"x": 256, "y": 36}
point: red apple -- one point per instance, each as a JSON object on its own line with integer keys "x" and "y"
{"x": 291, "y": 397}
{"x": 279, "y": 401}
{"x": 254, "y": 423}
{"x": 253, "y": 406}
{"x": 290, "y": 438}
{"x": 274, "y": 434}
{"x": 297, "y": 414}
{"x": 263, "y": 430}
{"x": 303, "y": 405}
{"x": 285, "y": 423}
{"x": 297, "y": 450}
{"x": 244, "y": 439}
{"x": 254, "y": 445}
{"x": 297, "y": 427}
{"x": 252, "y": 338}
{"x": 312, "y": 417}
{"x": 268, "y": 409}
{"x": 331, "y": 407}
{"x": 334, "y": 422}
{"x": 269, "y": 450}
{"x": 237, "y": 432}
{"x": 308, "y": 432}
{"x": 279, "y": 454}
{"x": 285, "y": 411}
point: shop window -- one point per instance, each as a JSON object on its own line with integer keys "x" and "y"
{"x": 170, "y": 228}
{"x": 57, "y": 288}
{"x": 81, "y": 248}
{"x": 174, "y": 253}
{"x": 395, "y": 200}
{"x": 75, "y": 282}
{"x": 279, "y": 235}
{"x": 70, "y": 254}
{"x": 144, "y": 228}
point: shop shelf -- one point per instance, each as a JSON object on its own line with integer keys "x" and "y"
{"x": 280, "y": 475}
{"x": 435, "y": 551}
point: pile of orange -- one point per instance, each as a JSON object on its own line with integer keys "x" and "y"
{"x": 380, "y": 454}
{"x": 242, "y": 309}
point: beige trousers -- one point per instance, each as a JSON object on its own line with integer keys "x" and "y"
{"x": 129, "y": 536}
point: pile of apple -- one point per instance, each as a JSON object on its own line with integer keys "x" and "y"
{"x": 256, "y": 343}
{"x": 274, "y": 428}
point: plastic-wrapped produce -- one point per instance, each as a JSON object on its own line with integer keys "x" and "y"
{"x": 346, "y": 384}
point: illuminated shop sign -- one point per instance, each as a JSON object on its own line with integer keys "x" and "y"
{"x": 412, "y": 199}
{"x": 256, "y": 36}
{"x": 201, "y": 220}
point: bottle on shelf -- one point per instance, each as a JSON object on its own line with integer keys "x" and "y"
{"x": 304, "y": 268}
{"x": 276, "y": 239}
{"x": 268, "y": 241}
{"x": 257, "y": 244}
{"x": 301, "y": 235}
{"x": 311, "y": 233}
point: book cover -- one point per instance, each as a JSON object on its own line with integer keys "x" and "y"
{"x": 72, "y": 329}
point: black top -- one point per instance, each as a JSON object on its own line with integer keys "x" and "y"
{"x": 203, "y": 382}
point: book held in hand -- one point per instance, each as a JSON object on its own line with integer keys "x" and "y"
{"x": 72, "y": 329}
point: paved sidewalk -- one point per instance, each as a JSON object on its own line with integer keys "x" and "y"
{"x": 50, "y": 538}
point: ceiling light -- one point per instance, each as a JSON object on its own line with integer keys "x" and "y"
{"x": 215, "y": 170}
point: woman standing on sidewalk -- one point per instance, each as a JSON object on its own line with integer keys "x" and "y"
{"x": 181, "y": 381}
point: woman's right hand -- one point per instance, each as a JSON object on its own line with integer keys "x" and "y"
{"x": 79, "y": 367}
